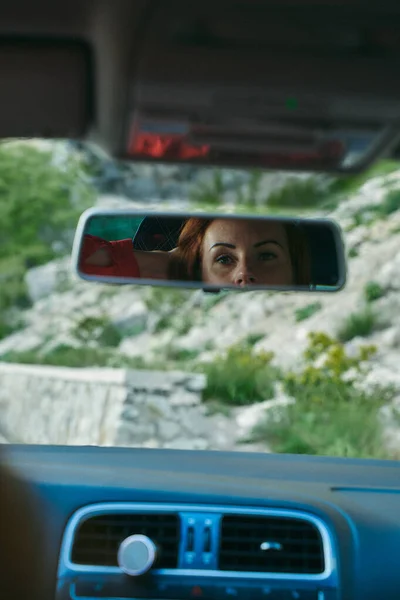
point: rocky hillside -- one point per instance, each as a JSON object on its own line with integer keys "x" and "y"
{"x": 255, "y": 348}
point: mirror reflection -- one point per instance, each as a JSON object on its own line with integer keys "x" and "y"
{"x": 212, "y": 251}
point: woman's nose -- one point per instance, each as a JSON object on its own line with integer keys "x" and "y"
{"x": 244, "y": 276}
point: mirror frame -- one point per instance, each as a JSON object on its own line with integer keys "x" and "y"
{"x": 195, "y": 285}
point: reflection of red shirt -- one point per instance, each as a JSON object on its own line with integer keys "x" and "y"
{"x": 123, "y": 261}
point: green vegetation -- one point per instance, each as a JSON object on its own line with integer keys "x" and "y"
{"x": 353, "y": 252}
{"x": 40, "y": 204}
{"x": 181, "y": 324}
{"x": 210, "y": 192}
{"x": 97, "y": 330}
{"x": 370, "y": 214}
{"x": 305, "y": 312}
{"x": 331, "y": 415}
{"x": 297, "y": 193}
{"x": 248, "y": 195}
{"x": 213, "y": 299}
{"x": 349, "y": 184}
{"x": 253, "y": 338}
{"x": 179, "y": 356}
{"x": 163, "y": 297}
{"x": 390, "y": 204}
{"x": 373, "y": 291}
{"x": 240, "y": 376}
{"x": 358, "y": 324}
{"x": 68, "y": 356}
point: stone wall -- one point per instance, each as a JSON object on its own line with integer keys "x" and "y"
{"x": 58, "y": 405}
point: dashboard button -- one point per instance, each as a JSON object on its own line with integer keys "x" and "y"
{"x": 207, "y": 540}
{"x": 190, "y": 539}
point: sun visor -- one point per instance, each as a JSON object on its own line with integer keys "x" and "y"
{"x": 46, "y": 88}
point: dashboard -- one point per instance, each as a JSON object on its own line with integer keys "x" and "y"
{"x": 180, "y": 525}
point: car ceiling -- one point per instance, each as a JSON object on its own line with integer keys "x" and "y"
{"x": 124, "y": 45}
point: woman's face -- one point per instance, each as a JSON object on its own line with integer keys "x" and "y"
{"x": 242, "y": 253}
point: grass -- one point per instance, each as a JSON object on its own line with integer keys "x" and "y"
{"x": 305, "y": 312}
{"x": 81, "y": 357}
{"x": 373, "y": 291}
{"x": 62, "y": 356}
{"x": 347, "y": 429}
{"x": 218, "y": 408}
{"x": 358, "y": 324}
{"x": 330, "y": 415}
{"x": 181, "y": 355}
{"x": 241, "y": 377}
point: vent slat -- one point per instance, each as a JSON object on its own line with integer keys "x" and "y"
{"x": 242, "y": 536}
{"x": 98, "y": 538}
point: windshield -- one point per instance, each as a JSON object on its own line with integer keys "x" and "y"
{"x": 93, "y": 364}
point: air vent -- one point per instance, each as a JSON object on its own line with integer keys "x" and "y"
{"x": 98, "y": 538}
{"x": 270, "y": 545}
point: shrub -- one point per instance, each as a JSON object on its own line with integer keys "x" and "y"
{"x": 97, "y": 329}
{"x": 297, "y": 193}
{"x": 160, "y": 297}
{"x": 211, "y": 192}
{"x": 248, "y": 194}
{"x": 351, "y": 183}
{"x": 180, "y": 355}
{"x": 163, "y": 323}
{"x": 373, "y": 291}
{"x": 240, "y": 377}
{"x": 40, "y": 203}
{"x": 390, "y": 204}
{"x": 253, "y": 338}
{"x": 360, "y": 324}
{"x": 353, "y": 252}
{"x": 308, "y": 311}
{"x": 7, "y": 329}
{"x": 183, "y": 324}
{"x": 330, "y": 416}
{"x": 212, "y": 300}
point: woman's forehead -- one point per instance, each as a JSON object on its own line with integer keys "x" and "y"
{"x": 227, "y": 230}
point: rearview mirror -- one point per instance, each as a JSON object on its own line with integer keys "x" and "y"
{"x": 210, "y": 252}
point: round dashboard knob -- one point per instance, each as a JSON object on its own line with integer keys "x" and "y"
{"x": 136, "y": 555}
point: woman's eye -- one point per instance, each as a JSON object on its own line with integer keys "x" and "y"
{"x": 265, "y": 256}
{"x": 224, "y": 260}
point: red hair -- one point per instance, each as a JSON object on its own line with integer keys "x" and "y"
{"x": 187, "y": 261}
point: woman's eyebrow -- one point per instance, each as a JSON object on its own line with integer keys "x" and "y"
{"x": 223, "y": 244}
{"x": 267, "y": 242}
